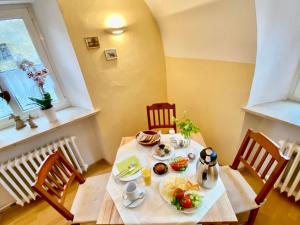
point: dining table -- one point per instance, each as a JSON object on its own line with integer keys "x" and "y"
{"x": 221, "y": 212}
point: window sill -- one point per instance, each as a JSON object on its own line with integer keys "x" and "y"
{"x": 10, "y": 136}
{"x": 283, "y": 111}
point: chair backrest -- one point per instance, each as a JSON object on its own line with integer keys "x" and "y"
{"x": 160, "y": 116}
{"x": 54, "y": 177}
{"x": 263, "y": 157}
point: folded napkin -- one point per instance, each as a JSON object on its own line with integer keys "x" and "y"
{"x": 141, "y": 136}
{"x": 124, "y": 164}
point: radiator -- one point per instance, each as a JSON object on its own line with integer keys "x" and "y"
{"x": 289, "y": 180}
{"x": 18, "y": 174}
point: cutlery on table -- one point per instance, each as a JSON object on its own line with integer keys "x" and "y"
{"x": 138, "y": 170}
{"x": 141, "y": 196}
{"x": 133, "y": 168}
{"x": 127, "y": 170}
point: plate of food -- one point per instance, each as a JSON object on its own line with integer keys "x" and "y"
{"x": 148, "y": 138}
{"x": 162, "y": 152}
{"x": 181, "y": 193}
{"x": 179, "y": 163}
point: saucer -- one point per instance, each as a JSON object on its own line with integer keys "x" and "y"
{"x": 138, "y": 202}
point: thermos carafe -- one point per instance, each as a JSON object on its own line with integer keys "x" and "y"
{"x": 207, "y": 168}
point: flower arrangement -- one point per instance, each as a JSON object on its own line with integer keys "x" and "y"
{"x": 186, "y": 126}
{"x": 38, "y": 76}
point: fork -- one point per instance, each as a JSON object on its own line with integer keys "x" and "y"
{"x": 127, "y": 170}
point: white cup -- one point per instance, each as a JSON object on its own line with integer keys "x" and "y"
{"x": 132, "y": 191}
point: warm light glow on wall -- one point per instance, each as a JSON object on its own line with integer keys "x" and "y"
{"x": 115, "y": 24}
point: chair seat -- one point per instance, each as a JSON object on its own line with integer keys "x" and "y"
{"x": 241, "y": 195}
{"x": 88, "y": 200}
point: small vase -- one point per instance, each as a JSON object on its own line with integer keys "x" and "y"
{"x": 50, "y": 114}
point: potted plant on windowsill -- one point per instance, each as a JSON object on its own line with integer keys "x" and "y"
{"x": 46, "y": 106}
{"x": 38, "y": 76}
{"x": 187, "y": 128}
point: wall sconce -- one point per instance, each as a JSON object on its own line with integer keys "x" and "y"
{"x": 116, "y": 31}
{"x": 115, "y": 24}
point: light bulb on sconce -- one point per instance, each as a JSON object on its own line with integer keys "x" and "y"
{"x": 115, "y": 24}
{"x": 116, "y": 31}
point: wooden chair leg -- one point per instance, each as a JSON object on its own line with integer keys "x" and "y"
{"x": 252, "y": 216}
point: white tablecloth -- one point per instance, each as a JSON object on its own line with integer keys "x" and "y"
{"x": 154, "y": 209}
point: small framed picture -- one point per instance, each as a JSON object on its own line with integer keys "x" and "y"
{"x": 92, "y": 42}
{"x": 111, "y": 54}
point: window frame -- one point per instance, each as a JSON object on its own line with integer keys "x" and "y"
{"x": 24, "y": 12}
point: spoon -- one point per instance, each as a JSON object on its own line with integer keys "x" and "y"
{"x": 141, "y": 196}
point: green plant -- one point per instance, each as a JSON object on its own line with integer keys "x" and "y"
{"x": 44, "y": 103}
{"x": 186, "y": 126}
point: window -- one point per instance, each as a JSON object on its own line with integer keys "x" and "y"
{"x": 20, "y": 40}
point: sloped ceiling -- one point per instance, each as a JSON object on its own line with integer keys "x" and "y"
{"x": 162, "y": 8}
{"x": 207, "y": 29}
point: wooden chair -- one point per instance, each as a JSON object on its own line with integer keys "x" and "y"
{"x": 160, "y": 116}
{"x": 54, "y": 178}
{"x": 262, "y": 157}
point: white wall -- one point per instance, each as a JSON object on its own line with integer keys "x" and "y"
{"x": 207, "y": 29}
{"x": 61, "y": 52}
{"x": 276, "y": 130}
{"x": 278, "y": 49}
{"x": 278, "y": 57}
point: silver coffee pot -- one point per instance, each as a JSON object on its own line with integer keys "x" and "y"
{"x": 207, "y": 168}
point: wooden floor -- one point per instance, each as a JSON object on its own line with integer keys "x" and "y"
{"x": 279, "y": 210}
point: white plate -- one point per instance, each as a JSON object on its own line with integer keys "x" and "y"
{"x": 179, "y": 171}
{"x": 129, "y": 178}
{"x": 187, "y": 211}
{"x": 166, "y": 157}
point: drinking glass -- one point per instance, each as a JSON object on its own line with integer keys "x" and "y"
{"x": 147, "y": 176}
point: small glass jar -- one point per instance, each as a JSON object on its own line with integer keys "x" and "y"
{"x": 172, "y": 138}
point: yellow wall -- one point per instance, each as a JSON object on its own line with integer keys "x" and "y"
{"x": 120, "y": 88}
{"x": 212, "y": 93}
